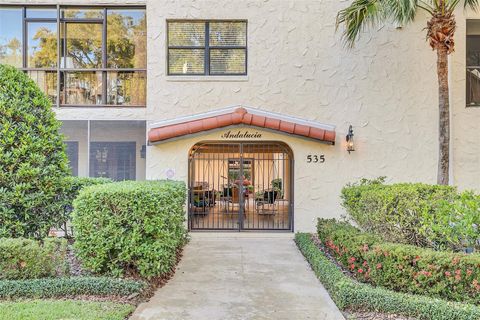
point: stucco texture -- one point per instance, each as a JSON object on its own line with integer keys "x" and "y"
{"x": 385, "y": 87}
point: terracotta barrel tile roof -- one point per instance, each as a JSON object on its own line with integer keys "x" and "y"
{"x": 237, "y": 116}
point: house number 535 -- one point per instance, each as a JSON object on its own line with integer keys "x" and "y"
{"x": 315, "y": 158}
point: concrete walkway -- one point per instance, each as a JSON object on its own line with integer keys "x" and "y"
{"x": 241, "y": 276}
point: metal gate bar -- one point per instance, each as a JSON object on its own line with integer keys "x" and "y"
{"x": 240, "y": 186}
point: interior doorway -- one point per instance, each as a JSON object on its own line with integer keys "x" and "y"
{"x": 240, "y": 186}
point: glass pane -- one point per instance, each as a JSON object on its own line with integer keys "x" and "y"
{"x": 76, "y": 137}
{"x": 126, "y": 39}
{"x": 47, "y": 82}
{"x": 81, "y": 88}
{"x": 82, "y": 13}
{"x": 117, "y": 149}
{"x": 186, "y": 34}
{"x": 84, "y": 45}
{"x": 72, "y": 154}
{"x": 186, "y": 61}
{"x": 42, "y": 45}
{"x": 228, "y": 61}
{"x": 127, "y": 88}
{"x": 228, "y": 33}
{"x": 44, "y": 13}
{"x": 11, "y": 36}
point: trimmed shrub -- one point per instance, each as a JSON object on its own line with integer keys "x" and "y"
{"x": 28, "y": 259}
{"x": 455, "y": 224}
{"x": 73, "y": 187}
{"x": 398, "y": 212}
{"x": 32, "y": 158}
{"x": 405, "y": 268}
{"x": 66, "y": 287}
{"x": 130, "y": 228}
{"x": 348, "y": 293}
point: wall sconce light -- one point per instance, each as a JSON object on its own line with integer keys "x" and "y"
{"x": 349, "y": 138}
{"x": 143, "y": 152}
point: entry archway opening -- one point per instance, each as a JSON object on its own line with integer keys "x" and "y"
{"x": 241, "y": 185}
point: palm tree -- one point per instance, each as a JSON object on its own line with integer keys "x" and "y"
{"x": 440, "y": 31}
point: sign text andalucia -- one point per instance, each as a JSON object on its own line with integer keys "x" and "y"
{"x": 241, "y": 134}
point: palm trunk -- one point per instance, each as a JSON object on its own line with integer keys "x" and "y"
{"x": 444, "y": 116}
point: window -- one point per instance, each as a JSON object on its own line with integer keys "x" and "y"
{"x": 79, "y": 56}
{"x": 207, "y": 47}
{"x": 72, "y": 154}
{"x": 473, "y": 63}
{"x": 111, "y": 149}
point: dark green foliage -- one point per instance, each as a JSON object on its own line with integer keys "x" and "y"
{"x": 28, "y": 259}
{"x": 73, "y": 187}
{"x": 398, "y": 212}
{"x": 130, "y": 227}
{"x": 405, "y": 268}
{"x": 33, "y": 163}
{"x": 66, "y": 287}
{"x": 348, "y": 293}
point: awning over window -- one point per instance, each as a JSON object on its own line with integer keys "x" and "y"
{"x": 182, "y": 126}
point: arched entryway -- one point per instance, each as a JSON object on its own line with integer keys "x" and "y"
{"x": 241, "y": 185}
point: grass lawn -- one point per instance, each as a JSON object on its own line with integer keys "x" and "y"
{"x": 63, "y": 309}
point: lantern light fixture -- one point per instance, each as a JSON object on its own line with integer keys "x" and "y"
{"x": 349, "y": 138}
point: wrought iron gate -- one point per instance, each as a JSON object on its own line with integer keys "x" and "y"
{"x": 240, "y": 186}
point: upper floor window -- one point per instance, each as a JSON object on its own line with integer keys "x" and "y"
{"x": 79, "y": 56}
{"x": 207, "y": 47}
{"x": 473, "y": 63}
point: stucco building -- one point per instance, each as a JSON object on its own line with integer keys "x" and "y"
{"x": 249, "y": 102}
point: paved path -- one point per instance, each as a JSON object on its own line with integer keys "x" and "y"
{"x": 241, "y": 276}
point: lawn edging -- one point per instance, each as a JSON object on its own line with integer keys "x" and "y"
{"x": 348, "y": 293}
{"x": 66, "y": 287}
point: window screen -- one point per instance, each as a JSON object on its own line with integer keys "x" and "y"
{"x": 473, "y": 63}
{"x": 207, "y": 47}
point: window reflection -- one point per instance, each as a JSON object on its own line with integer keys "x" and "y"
{"x": 43, "y": 13}
{"x": 83, "y": 45}
{"x": 82, "y": 88}
{"x": 82, "y": 13}
{"x": 42, "y": 45}
{"x": 95, "y": 68}
{"x": 47, "y": 82}
{"x": 11, "y": 36}
{"x": 126, "y": 88}
{"x": 126, "y": 39}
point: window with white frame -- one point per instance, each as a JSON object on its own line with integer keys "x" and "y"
{"x": 211, "y": 47}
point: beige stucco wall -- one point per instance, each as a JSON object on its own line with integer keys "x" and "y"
{"x": 385, "y": 87}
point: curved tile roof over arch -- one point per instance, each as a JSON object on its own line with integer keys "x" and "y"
{"x": 183, "y": 126}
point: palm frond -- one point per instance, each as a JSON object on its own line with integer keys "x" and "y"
{"x": 357, "y": 16}
{"x": 363, "y": 13}
{"x": 401, "y": 11}
{"x": 472, "y": 4}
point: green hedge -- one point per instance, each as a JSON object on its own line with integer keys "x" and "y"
{"x": 406, "y": 212}
{"x": 348, "y": 293}
{"x": 405, "y": 268}
{"x": 130, "y": 228}
{"x": 33, "y": 163}
{"x": 65, "y": 287}
{"x": 27, "y": 259}
{"x": 73, "y": 187}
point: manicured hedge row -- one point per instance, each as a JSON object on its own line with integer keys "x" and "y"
{"x": 27, "y": 259}
{"x": 73, "y": 187}
{"x": 397, "y": 212}
{"x": 64, "y": 287}
{"x": 405, "y": 268}
{"x": 350, "y": 294}
{"x": 130, "y": 228}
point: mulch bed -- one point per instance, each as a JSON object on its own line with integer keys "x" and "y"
{"x": 76, "y": 270}
{"x": 356, "y": 314}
